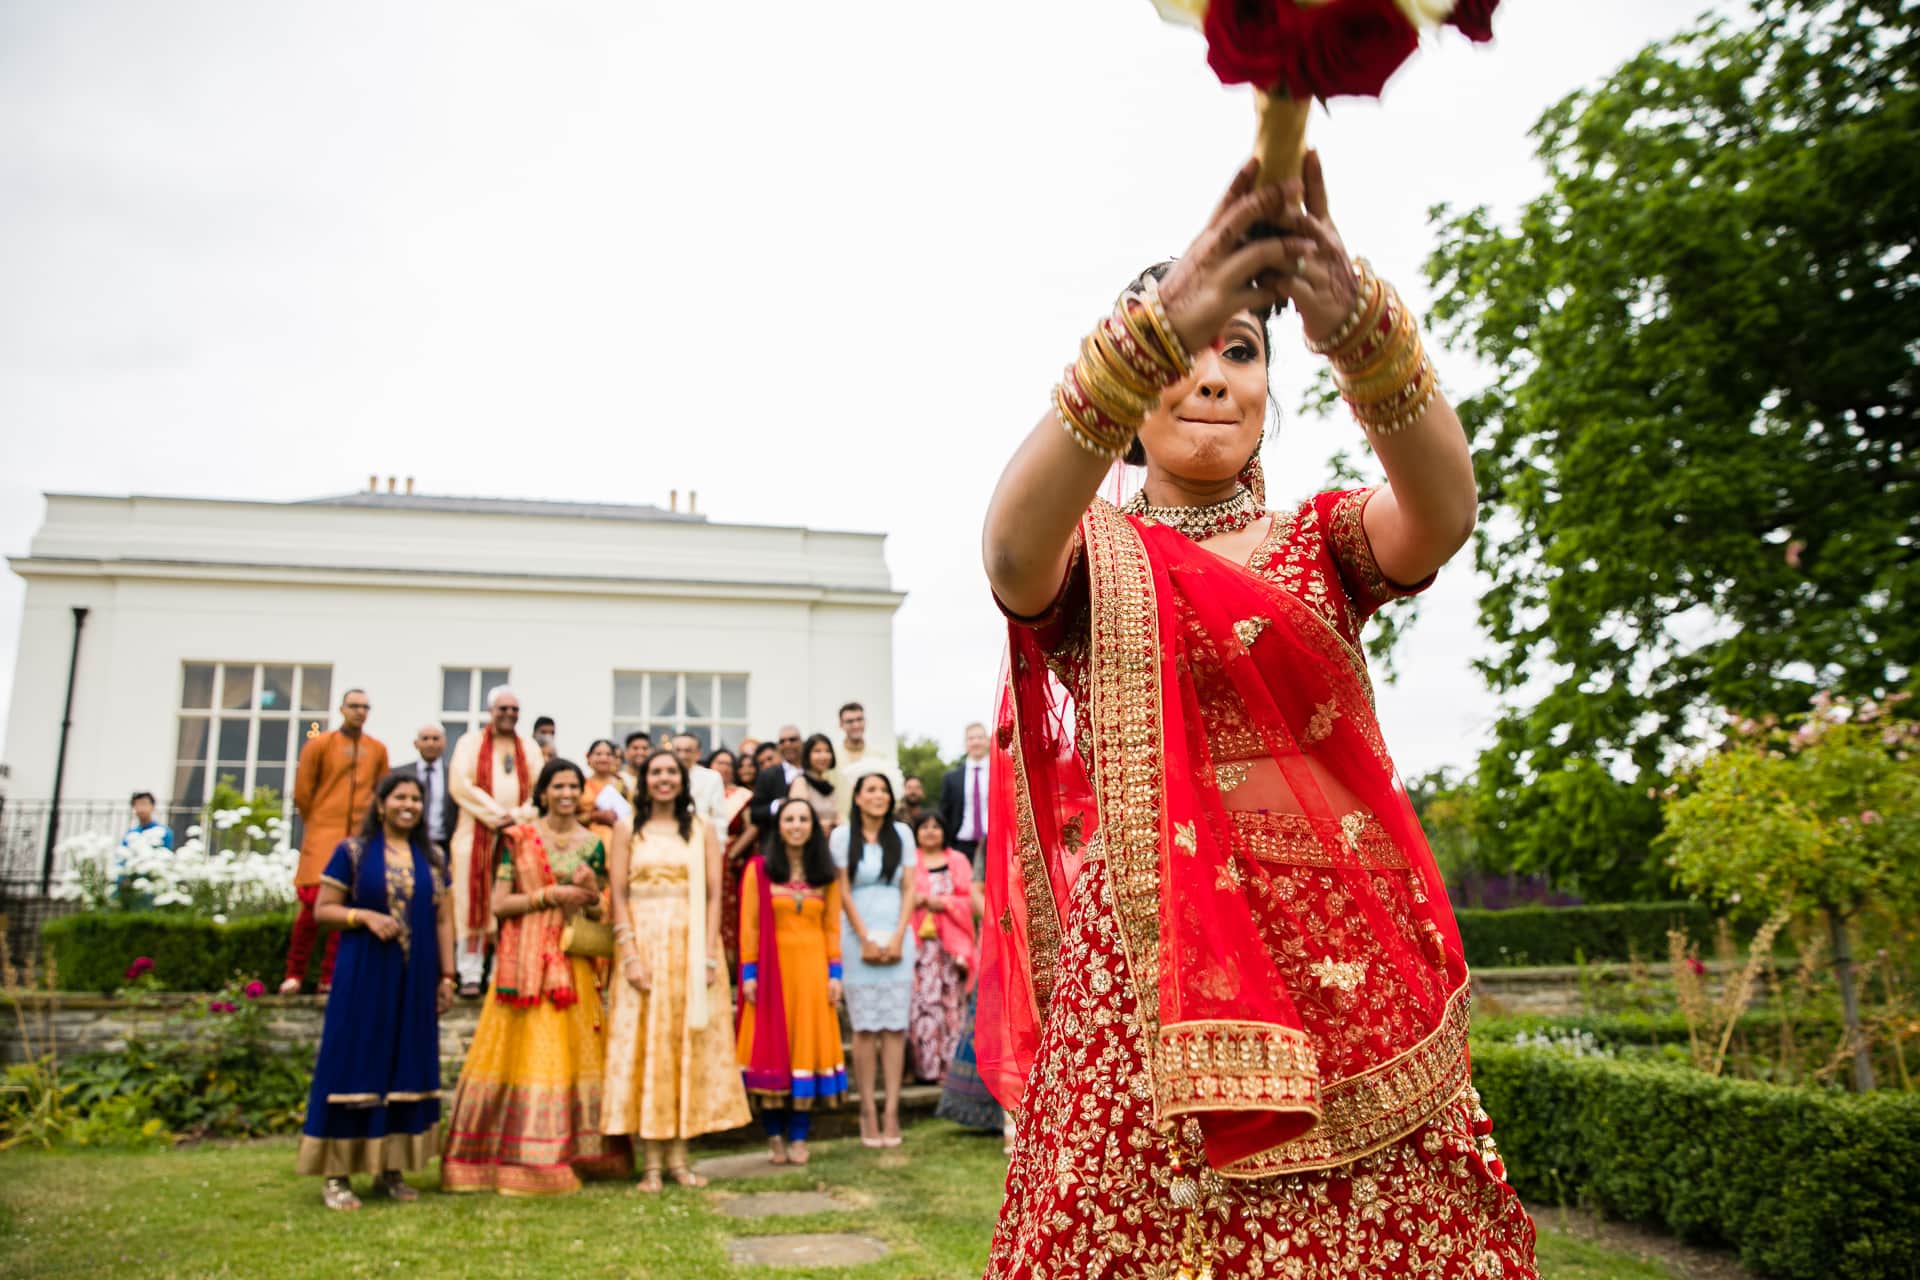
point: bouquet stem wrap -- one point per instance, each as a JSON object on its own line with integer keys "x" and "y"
{"x": 1281, "y": 145}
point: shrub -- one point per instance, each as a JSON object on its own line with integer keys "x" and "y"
{"x": 91, "y": 951}
{"x": 1565, "y": 935}
{"x": 1802, "y": 1182}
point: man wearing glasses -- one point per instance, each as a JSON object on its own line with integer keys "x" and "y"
{"x": 331, "y": 790}
{"x": 773, "y": 784}
{"x": 491, "y": 779}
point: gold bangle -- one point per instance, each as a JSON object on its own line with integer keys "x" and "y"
{"x": 1387, "y": 377}
{"x": 1163, "y": 327}
{"x": 1088, "y": 437}
{"x": 1114, "y": 397}
{"x": 1399, "y": 328}
{"x": 1128, "y": 369}
{"x": 1403, "y": 411}
{"x": 353, "y": 920}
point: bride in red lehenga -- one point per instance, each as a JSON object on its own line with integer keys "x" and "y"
{"x": 1224, "y": 990}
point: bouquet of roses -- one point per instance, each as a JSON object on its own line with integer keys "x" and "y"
{"x": 1294, "y": 51}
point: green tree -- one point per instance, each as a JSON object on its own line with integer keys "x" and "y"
{"x": 920, "y": 758}
{"x": 1823, "y": 821}
{"x": 1697, "y": 450}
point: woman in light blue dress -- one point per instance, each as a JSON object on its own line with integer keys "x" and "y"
{"x": 875, "y": 855}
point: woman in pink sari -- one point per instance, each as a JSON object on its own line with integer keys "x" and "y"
{"x": 1222, "y": 985}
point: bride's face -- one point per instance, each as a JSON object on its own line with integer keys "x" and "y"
{"x": 1208, "y": 424}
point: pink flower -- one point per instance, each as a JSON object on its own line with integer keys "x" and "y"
{"x": 256, "y": 989}
{"x": 222, "y": 1006}
{"x": 140, "y": 968}
{"x": 1693, "y": 963}
{"x": 1868, "y": 817}
{"x": 1794, "y": 549}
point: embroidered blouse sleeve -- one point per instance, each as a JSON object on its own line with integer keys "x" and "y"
{"x": 1056, "y": 626}
{"x": 1352, "y": 553}
{"x": 339, "y": 872}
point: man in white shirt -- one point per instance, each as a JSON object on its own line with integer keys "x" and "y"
{"x": 858, "y": 759}
{"x": 963, "y": 796}
{"x": 708, "y": 791}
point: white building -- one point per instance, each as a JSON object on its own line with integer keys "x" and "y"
{"x": 219, "y": 634}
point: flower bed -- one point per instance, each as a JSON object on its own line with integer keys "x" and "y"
{"x": 1567, "y": 935}
{"x": 1802, "y": 1182}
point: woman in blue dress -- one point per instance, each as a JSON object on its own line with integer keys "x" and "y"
{"x": 875, "y": 854}
{"x": 375, "y": 1103}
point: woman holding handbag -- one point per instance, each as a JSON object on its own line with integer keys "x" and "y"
{"x": 526, "y": 1114}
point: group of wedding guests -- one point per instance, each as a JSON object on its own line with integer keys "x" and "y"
{"x": 623, "y": 901}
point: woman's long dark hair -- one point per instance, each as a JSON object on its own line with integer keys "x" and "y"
{"x": 822, "y": 784}
{"x": 682, "y": 803}
{"x": 816, "y": 863}
{"x": 889, "y": 832}
{"x": 374, "y": 828}
{"x": 555, "y": 767}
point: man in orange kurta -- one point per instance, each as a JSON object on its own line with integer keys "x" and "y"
{"x": 334, "y": 785}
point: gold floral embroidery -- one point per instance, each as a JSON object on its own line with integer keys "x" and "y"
{"x": 1184, "y": 838}
{"x": 1324, "y": 714}
{"x": 1352, "y": 825}
{"x": 1234, "y": 1066}
{"x": 1346, "y": 975}
{"x": 1035, "y": 886}
{"x": 1296, "y": 838}
{"x": 1228, "y": 776}
{"x": 1248, "y": 630}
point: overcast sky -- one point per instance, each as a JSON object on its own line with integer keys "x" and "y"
{"x": 821, "y": 263}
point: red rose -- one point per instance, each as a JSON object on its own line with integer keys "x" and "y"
{"x": 1474, "y": 18}
{"x": 1349, "y": 49}
{"x": 1249, "y": 41}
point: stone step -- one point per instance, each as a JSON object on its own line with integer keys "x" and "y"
{"x": 821, "y": 1250}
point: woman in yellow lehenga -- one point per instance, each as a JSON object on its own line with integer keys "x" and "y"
{"x": 670, "y": 1068}
{"x": 789, "y": 1039}
{"x": 526, "y": 1114}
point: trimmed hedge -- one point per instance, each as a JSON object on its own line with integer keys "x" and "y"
{"x": 1803, "y": 1183}
{"x": 91, "y": 951}
{"x": 1636, "y": 1028}
{"x": 1564, "y": 935}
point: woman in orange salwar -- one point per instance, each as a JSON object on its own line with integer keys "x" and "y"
{"x": 526, "y": 1114}
{"x": 1222, "y": 984}
{"x": 789, "y": 1035}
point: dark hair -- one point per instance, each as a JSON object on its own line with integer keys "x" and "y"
{"x": 639, "y": 735}
{"x": 602, "y": 742}
{"x": 544, "y": 722}
{"x": 806, "y": 758}
{"x": 750, "y": 760}
{"x": 374, "y": 828}
{"x": 851, "y": 706}
{"x": 933, "y": 816}
{"x": 682, "y": 803}
{"x": 717, "y": 752}
{"x": 138, "y": 796}
{"x": 889, "y": 832}
{"x": 762, "y": 749}
{"x": 555, "y": 767}
{"x": 816, "y": 863}
{"x": 1136, "y": 455}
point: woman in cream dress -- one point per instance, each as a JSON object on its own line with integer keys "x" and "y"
{"x": 671, "y": 1073}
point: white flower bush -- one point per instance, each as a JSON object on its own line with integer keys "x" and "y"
{"x": 1574, "y": 1044}
{"x": 253, "y": 877}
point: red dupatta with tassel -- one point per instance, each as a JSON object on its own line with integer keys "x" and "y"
{"x": 529, "y": 964}
{"x": 1204, "y": 739}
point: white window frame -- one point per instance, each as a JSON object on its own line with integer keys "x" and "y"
{"x": 719, "y": 729}
{"x": 303, "y": 722}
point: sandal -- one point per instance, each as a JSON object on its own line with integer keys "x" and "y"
{"x": 777, "y": 1151}
{"x": 394, "y": 1186}
{"x": 649, "y": 1184}
{"x": 337, "y": 1193}
{"x": 469, "y": 991}
{"x": 797, "y": 1153}
{"x": 685, "y": 1176}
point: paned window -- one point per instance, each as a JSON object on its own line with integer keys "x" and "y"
{"x": 463, "y": 698}
{"x": 710, "y": 706}
{"x": 246, "y": 722}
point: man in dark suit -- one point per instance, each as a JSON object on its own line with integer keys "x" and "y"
{"x": 774, "y": 783}
{"x": 438, "y": 810}
{"x": 963, "y": 797}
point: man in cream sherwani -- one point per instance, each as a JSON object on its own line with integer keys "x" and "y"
{"x": 491, "y": 778}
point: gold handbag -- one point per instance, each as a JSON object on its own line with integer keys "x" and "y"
{"x": 590, "y": 938}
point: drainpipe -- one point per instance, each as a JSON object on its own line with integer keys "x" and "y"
{"x": 60, "y": 760}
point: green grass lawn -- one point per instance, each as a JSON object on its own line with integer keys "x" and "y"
{"x": 241, "y": 1211}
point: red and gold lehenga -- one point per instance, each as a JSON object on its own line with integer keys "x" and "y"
{"x": 1223, "y": 987}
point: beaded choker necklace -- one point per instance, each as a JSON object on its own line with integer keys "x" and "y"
{"x": 1201, "y": 523}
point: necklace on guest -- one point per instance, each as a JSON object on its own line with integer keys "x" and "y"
{"x": 1200, "y": 523}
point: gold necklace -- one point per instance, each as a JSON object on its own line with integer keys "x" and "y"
{"x": 1215, "y": 520}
